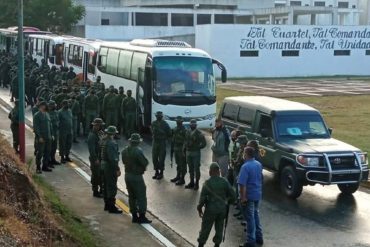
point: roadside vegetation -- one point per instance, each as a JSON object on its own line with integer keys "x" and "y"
{"x": 349, "y": 116}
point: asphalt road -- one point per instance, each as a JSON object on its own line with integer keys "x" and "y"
{"x": 320, "y": 217}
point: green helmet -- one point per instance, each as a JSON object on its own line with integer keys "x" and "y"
{"x": 135, "y": 138}
{"x": 111, "y": 130}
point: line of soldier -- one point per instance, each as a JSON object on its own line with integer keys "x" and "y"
{"x": 80, "y": 104}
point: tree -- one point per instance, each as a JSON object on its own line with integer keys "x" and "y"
{"x": 51, "y": 15}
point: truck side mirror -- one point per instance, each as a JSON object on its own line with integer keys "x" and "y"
{"x": 330, "y": 131}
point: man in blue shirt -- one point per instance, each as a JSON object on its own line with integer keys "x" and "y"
{"x": 250, "y": 190}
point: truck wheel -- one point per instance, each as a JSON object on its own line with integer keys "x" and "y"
{"x": 348, "y": 189}
{"x": 289, "y": 183}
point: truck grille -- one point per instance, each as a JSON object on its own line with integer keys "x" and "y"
{"x": 342, "y": 162}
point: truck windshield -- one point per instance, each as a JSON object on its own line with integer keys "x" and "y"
{"x": 183, "y": 79}
{"x": 301, "y": 127}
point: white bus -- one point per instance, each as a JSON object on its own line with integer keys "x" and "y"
{"x": 81, "y": 54}
{"x": 167, "y": 76}
{"x": 8, "y": 40}
{"x": 48, "y": 47}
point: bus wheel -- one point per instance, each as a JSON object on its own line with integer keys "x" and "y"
{"x": 348, "y": 189}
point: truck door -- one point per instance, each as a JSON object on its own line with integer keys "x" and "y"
{"x": 264, "y": 134}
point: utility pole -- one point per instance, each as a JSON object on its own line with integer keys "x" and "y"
{"x": 22, "y": 139}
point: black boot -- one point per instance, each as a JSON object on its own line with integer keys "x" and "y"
{"x": 63, "y": 160}
{"x": 112, "y": 209}
{"x": 143, "y": 219}
{"x": 54, "y": 162}
{"x": 200, "y": 245}
{"x": 156, "y": 174}
{"x": 45, "y": 168}
{"x": 75, "y": 141}
{"x": 175, "y": 179}
{"x": 38, "y": 169}
{"x": 97, "y": 194}
{"x": 190, "y": 185}
{"x": 181, "y": 181}
{"x": 160, "y": 175}
{"x": 196, "y": 185}
{"x": 106, "y": 205}
{"x": 135, "y": 218}
{"x": 68, "y": 159}
{"x": 217, "y": 245}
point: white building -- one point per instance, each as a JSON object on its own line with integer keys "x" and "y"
{"x": 177, "y": 19}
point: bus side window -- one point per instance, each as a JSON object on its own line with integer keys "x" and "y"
{"x": 102, "y": 63}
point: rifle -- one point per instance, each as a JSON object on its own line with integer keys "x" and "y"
{"x": 226, "y": 221}
{"x": 172, "y": 151}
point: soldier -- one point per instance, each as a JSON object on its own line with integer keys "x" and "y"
{"x": 178, "y": 140}
{"x": 194, "y": 142}
{"x": 161, "y": 131}
{"x": 110, "y": 159}
{"x": 110, "y": 107}
{"x": 75, "y": 108}
{"x": 120, "y": 97}
{"x": 71, "y": 74}
{"x": 128, "y": 110}
{"x": 54, "y": 118}
{"x": 90, "y": 109}
{"x": 135, "y": 165}
{"x": 14, "y": 125}
{"x": 93, "y": 142}
{"x": 215, "y": 196}
{"x": 220, "y": 147}
{"x": 66, "y": 132}
{"x": 43, "y": 136}
{"x": 59, "y": 98}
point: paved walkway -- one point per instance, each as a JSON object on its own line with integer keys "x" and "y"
{"x": 303, "y": 87}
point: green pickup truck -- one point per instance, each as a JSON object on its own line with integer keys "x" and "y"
{"x": 296, "y": 143}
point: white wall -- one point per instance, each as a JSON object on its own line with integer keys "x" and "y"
{"x": 224, "y": 42}
{"x": 134, "y": 32}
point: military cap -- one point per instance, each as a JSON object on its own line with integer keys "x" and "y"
{"x": 120, "y": 88}
{"x": 159, "y": 113}
{"x": 111, "y": 130}
{"x": 242, "y": 139}
{"x": 98, "y": 121}
{"x": 214, "y": 165}
{"x": 193, "y": 121}
{"x": 135, "y": 138}
{"x": 52, "y": 103}
{"x": 179, "y": 119}
{"x": 42, "y": 103}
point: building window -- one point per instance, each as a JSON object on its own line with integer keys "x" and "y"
{"x": 295, "y": 3}
{"x": 289, "y": 53}
{"x": 277, "y": 5}
{"x": 105, "y": 22}
{"x": 203, "y": 19}
{"x": 186, "y": 20}
{"x": 342, "y": 52}
{"x": 319, "y": 4}
{"x": 367, "y": 53}
{"x": 224, "y": 19}
{"x": 344, "y": 5}
{"x": 151, "y": 19}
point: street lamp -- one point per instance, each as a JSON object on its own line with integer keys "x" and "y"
{"x": 22, "y": 140}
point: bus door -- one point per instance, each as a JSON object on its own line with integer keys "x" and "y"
{"x": 144, "y": 97}
{"x": 65, "y": 56}
{"x": 46, "y": 50}
{"x": 85, "y": 65}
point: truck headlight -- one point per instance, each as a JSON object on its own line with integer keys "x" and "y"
{"x": 308, "y": 161}
{"x": 363, "y": 158}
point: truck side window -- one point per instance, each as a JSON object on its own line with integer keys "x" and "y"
{"x": 230, "y": 111}
{"x": 245, "y": 116}
{"x": 265, "y": 126}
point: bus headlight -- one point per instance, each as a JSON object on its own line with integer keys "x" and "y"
{"x": 308, "y": 161}
{"x": 209, "y": 117}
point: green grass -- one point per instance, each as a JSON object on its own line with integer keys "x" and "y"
{"x": 349, "y": 116}
{"x": 71, "y": 223}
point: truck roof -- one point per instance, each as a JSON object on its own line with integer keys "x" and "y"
{"x": 268, "y": 104}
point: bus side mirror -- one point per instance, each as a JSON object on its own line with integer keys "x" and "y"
{"x": 223, "y": 76}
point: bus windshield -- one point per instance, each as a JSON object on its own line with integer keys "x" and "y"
{"x": 183, "y": 77}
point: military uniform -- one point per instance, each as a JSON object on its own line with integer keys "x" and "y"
{"x": 135, "y": 165}
{"x": 75, "y": 108}
{"x": 128, "y": 109}
{"x": 119, "y": 99}
{"x": 93, "y": 142}
{"x": 161, "y": 131}
{"x": 194, "y": 142}
{"x": 216, "y": 194}
{"x": 110, "y": 158}
{"x": 110, "y": 108}
{"x": 14, "y": 125}
{"x": 66, "y": 132}
{"x": 178, "y": 140}
{"x": 90, "y": 109}
{"x": 43, "y": 136}
{"x": 54, "y": 118}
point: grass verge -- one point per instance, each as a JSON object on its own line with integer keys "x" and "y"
{"x": 71, "y": 223}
